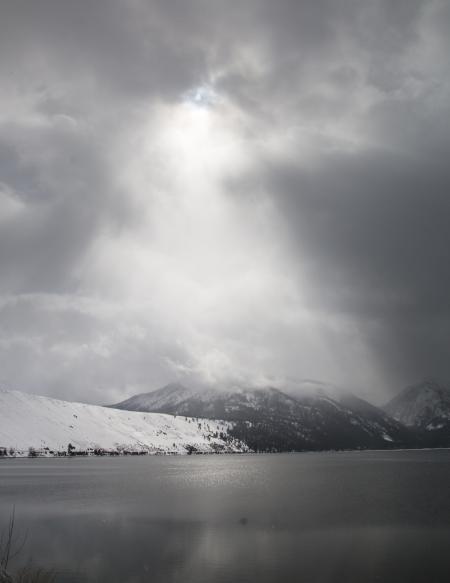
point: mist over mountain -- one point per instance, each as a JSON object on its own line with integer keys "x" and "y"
{"x": 309, "y": 416}
{"x": 315, "y": 416}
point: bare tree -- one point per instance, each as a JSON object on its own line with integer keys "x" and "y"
{"x": 10, "y": 547}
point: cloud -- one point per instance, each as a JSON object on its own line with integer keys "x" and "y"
{"x": 223, "y": 195}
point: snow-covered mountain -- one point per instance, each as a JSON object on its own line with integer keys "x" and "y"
{"x": 425, "y": 405}
{"x": 169, "y": 396}
{"x": 367, "y": 412}
{"x": 306, "y": 416}
{"x": 270, "y": 419}
{"x": 40, "y": 422}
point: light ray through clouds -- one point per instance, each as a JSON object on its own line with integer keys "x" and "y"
{"x": 223, "y": 196}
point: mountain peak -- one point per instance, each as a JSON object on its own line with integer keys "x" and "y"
{"x": 270, "y": 419}
{"x": 172, "y": 393}
{"x": 425, "y": 404}
{"x": 174, "y": 387}
{"x": 431, "y": 383}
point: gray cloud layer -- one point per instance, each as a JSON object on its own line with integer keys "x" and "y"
{"x": 223, "y": 193}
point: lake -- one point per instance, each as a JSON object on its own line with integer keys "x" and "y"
{"x": 307, "y": 518}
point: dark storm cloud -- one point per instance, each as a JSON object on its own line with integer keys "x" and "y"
{"x": 125, "y": 50}
{"x": 368, "y": 224}
{"x": 74, "y": 76}
{"x": 343, "y": 119}
{"x": 58, "y": 182}
{"x": 374, "y": 231}
{"x": 370, "y": 227}
{"x": 83, "y": 66}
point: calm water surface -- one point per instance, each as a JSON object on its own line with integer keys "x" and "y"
{"x": 312, "y": 518}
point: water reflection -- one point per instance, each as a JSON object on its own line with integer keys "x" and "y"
{"x": 131, "y": 551}
{"x": 315, "y": 518}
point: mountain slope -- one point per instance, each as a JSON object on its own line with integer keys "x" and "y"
{"x": 168, "y": 397}
{"x": 267, "y": 419}
{"x": 33, "y": 421}
{"x": 425, "y": 405}
{"x": 366, "y": 413}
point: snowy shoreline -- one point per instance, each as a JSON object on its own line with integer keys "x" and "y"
{"x": 35, "y": 426}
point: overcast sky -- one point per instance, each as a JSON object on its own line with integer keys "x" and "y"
{"x": 223, "y": 192}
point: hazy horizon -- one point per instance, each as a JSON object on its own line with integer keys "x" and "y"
{"x": 291, "y": 387}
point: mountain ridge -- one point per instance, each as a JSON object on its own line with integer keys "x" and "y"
{"x": 268, "y": 419}
{"x": 421, "y": 404}
{"x": 175, "y": 419}
{"x": 424, "y": 406}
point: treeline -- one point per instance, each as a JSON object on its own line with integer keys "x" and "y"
{"x": 70, "y": 451}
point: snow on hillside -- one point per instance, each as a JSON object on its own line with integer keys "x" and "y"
{"x": 314, "y": 416}
{"x": 169, "y": 395}
{"x": 426, "y": 405}
{"x": 40, "y": 422}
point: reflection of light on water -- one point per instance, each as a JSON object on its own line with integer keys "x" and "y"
{"x": 207, "y": 472}
{"x": 318, "y": 517}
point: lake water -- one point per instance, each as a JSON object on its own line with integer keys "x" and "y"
{"x": 307, "y": 518}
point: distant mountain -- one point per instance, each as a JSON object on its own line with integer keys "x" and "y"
{"x": 168, "y": 397}
{"x": 359, "y": 407}
{"x": 50, "y": 425}
{"x": 268, "y": 419}
{"x": 425, "y": 406}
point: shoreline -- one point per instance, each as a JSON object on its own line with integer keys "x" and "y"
{"x": 227, "y": 453}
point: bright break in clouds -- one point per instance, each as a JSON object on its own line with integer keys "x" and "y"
{"x": 222, "y": 192}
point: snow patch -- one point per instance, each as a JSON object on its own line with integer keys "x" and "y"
{"x": 49, "y": 425}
